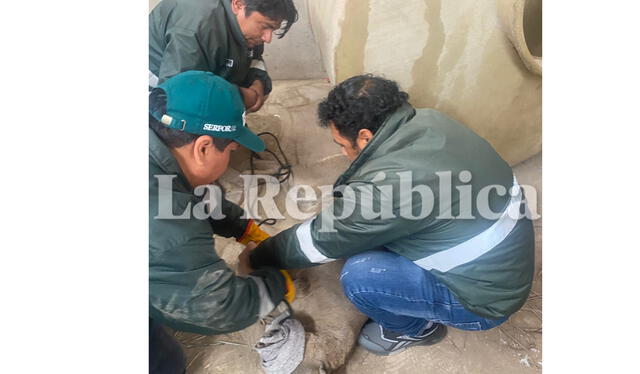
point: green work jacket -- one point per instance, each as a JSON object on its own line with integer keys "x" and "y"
{"x": 487, "y": 263}
{"x": 190, "y": 287}
{"x": 202, "y": 35}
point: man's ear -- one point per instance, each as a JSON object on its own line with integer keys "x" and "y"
{"x": 364, "y": 137}
{"x": 237, "y": 5}
{"x": 202, "y": 147}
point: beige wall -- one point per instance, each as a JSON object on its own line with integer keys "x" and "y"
{"x": 466, "y": 58}
{"x": 296, "y": 56}
{"x": 455, "y": 56}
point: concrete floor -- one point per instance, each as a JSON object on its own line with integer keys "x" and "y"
{"x": 331, "y": 322}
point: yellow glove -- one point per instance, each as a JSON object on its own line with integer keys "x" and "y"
{"x": 291, "y": 289}
{"x": 253, "y": 233}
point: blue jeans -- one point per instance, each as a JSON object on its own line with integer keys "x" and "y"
{"x": 403, "y": 297}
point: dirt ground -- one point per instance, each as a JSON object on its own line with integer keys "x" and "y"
{"x": 331, "y": 322}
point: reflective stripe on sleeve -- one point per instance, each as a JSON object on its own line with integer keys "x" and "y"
{"x": 478, "y": 245}
{"x": 303, "y": 233}
{"x": 266, "y": 305}
{"x": 153, "y": 79}
{"x": 258, "y": 64}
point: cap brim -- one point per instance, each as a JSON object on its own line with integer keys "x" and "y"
{"x": 250, "y": 140}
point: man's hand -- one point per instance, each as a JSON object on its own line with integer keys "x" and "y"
{"x": 244, "y": 265}
{"x": 258, "y": 87}
{"x": 253, "y": 96}
{"x": 253, "y": 233}
{"x": 244, "y": 269}
{"x": 249, "y": 96}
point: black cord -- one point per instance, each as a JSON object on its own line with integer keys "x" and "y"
{"x": 285, "y": 170}
{"x": 268, "y": 221}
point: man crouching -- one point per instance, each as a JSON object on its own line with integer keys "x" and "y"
{"x": 196, "y": 121}
{"x": 429, "y": 216}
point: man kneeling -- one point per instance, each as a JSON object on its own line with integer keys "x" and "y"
{"x": 428, "y": 215}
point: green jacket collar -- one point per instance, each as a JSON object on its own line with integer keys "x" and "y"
{"x": 404, "y": 114}
{"x": 161, "y": 156}
{"x": 233, "y": 24}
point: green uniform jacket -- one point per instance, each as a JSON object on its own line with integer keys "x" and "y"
{"x": 493, "y": 282}
{"x": 202, "y": 35}
{"x": 190, "y": 287}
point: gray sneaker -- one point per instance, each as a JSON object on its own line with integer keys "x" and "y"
{"x": 380, "y": 341}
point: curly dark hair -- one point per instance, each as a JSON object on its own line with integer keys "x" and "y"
{"x": 360, "y": 102}
{"x": 274, "y": 9}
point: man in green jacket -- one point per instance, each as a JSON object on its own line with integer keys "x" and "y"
{"x": 430, "y": 217}
{"x": 225, "y": 37}
{"x": 196, "y": 121}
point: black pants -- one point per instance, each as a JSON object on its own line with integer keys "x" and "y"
{"x": 165, "y": 354}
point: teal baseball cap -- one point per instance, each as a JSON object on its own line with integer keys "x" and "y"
{"x": 200, "y": 102}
